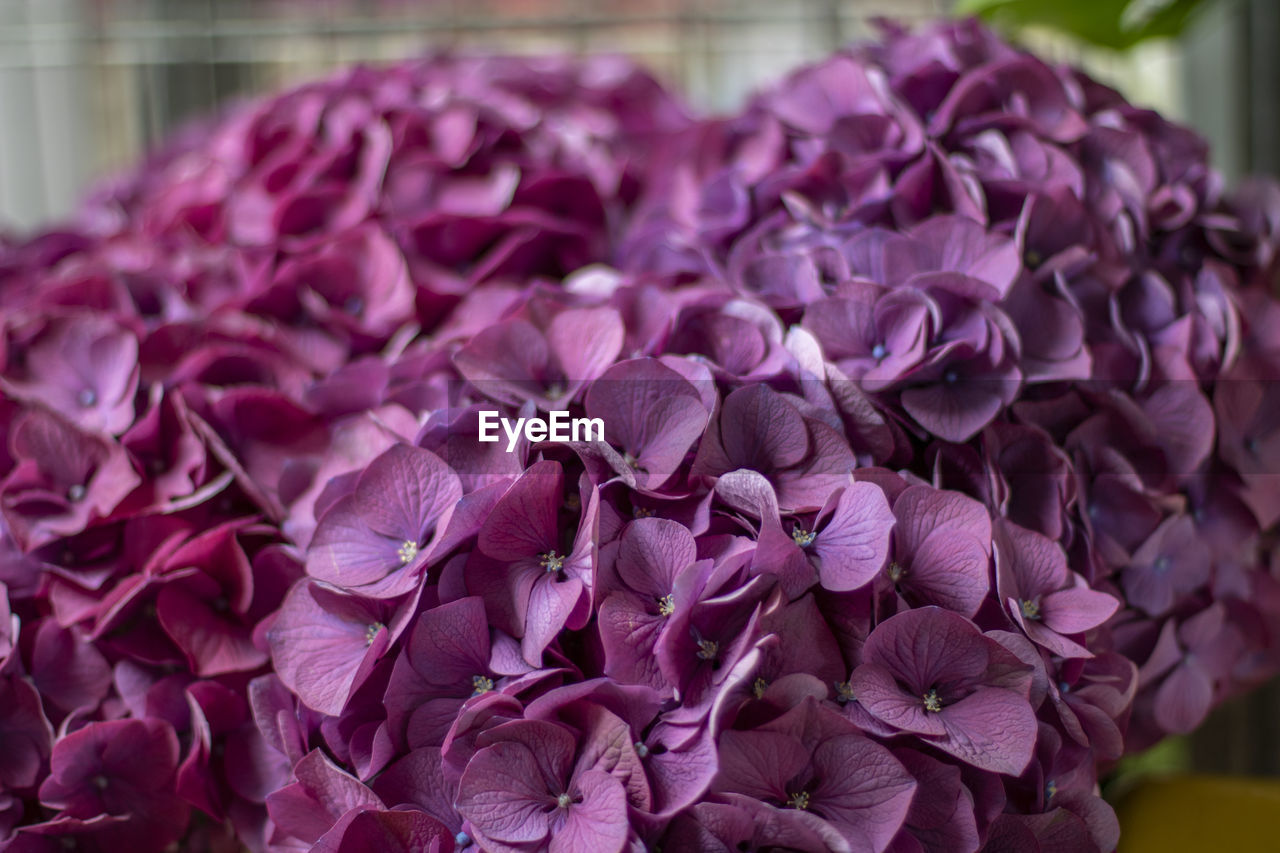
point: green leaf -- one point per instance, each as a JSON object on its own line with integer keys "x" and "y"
{"x": 1117, "y": 24}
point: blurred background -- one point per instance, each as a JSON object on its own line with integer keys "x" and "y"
{"x": 87, "y": 85}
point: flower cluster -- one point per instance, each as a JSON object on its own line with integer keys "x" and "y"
{"x": 938, "y": 467}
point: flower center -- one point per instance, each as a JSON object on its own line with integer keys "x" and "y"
{"x": 408, "y": 550}
{"x": 563, "y": 801}
{"x": 371, "y": 633}
{"x": 462, "y": 840}
{"x": 708, "y": 649}
{"x": 758, "y": 687}
{"x": 86, "y": 398}
{"x": 552, "y": 562}
{"x": 642, "y": 750}
{"x": 353, "y": 306}
{"x": 844, "y": 693}
{"x": 932, "y": 702}
{"x": 896, "y": 571}
{"x": 1030, "y": 608}
{"x": 76, "y": 493}
{"x": 950, "y": 377}
{"x": 803, "y": 538}
{"x": 642, "y": 512}
{"x": 799, "y": 800}
{"x": 667, "y": 604}
{"x": 100, "y": 782}
{"x": 878, "y": 352}
{"x": 1050, "y": 788}
{"x": 1161, "y": 564}
{"x": 482, "y": 684}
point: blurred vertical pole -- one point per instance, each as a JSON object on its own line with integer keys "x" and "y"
{"x": 21, "y": 189}
{"x": 832, "y": 26}
{"x": 61, "y": 103}
{"x": 43, "y": 156}
{"x": 1233, "y": 88}
{"x": 1215, "y": 60}
{"x": 1263, "y": 86}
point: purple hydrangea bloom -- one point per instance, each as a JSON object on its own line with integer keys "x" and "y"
{"x": 444, "y": 663}
{"x": 653, "y": 557}
{"x": 121, "y": 768}
{"x": 1048, "y": 602}
{"x": 935, "y": 383}
{"x": 378, "y": 539}
{"x": 325, "y": 643}
{"x": 760, "y": 430}
{"x": 932, "y": 673}
{"x": 64, "y": 479}
{"x": 801, "y": 760}
{"x": 85, "y": 369}
{"x": 845, "y": 545}
{"x": 536, "y": 575}
{"x": 28, "y": 736}
{"x": 654, "y": 415}
{"x": 942, "y": 549}
{"x": 533, "y": 783}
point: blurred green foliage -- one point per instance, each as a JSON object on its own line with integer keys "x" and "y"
{"x": 1117, "y": 24}
{"x": 1170, "y": 756}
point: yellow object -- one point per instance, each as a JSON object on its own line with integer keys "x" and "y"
{"x": 1201, "y": 813}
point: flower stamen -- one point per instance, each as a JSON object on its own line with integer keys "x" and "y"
{"x": 758, "y": 687}
{"x": 1030, "y": 608}
{"x": 799, "y": 800}
{"x": 371, "y": 633}
{"x": 667, "y": 604}
{"x": 408, "y": 551}
{"x": 844, "y": 693}
{"x": 553, "y": 562}
{"x": 708, "y": 649}
{"x": 931, "y": 701}
{"x": 803, "y": 538}
{"x": 482, "y": 684}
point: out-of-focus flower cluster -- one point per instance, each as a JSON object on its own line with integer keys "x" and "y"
{"x": 941, "y": 458}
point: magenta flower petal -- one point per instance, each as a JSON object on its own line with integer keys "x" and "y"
{"x": 376, "y": 539}
{"x": 854, "y": 545}
{"x": 324, "y": 643}
{"x": 597, "y": 820}
{"x": 26, "y": 737}
{"x": 392, "y": 831}
{"x": 931, "y": 669}
{"x": 120, "y": 768}
{"x": 310, "y": 807}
